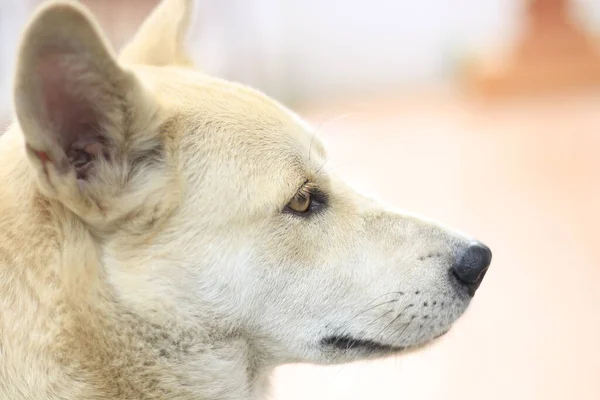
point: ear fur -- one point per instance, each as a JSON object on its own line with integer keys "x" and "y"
{"x": 161, "y": 38}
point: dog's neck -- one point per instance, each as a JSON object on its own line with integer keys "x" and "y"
{"x": 68, "y": 320}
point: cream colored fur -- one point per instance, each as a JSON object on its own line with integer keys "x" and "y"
{"x": 165, "y": 265}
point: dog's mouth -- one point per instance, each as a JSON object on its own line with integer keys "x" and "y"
{"x": 348, "y": 343}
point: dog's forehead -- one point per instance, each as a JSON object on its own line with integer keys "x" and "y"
{"x": 241, "y": 113}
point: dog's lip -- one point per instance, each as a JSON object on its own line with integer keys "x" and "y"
{"x": 347, "y": 343}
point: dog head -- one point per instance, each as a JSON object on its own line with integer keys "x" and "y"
{"x": 211, "y": 205}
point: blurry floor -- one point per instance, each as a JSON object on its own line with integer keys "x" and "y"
{"x": 524, "y": 178}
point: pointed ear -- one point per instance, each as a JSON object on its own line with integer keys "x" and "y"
{"x": 75, "y": 105}
{"x": 68, "y": 88}
{"x": 161, "y": 38}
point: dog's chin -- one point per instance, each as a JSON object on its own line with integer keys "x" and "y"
{"x": 370, "y": 348}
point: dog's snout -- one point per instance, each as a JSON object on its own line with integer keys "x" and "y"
{"x": 472, "y": 265}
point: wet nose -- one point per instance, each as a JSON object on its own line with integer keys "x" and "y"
{"x": 472, "y": 265}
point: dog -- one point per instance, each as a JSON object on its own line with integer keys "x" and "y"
{"x": 169, "y": 235}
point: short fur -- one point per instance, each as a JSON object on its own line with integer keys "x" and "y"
{"x": 146, "y": 251}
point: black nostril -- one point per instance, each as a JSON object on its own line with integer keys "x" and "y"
{"x": 472, "y": 266}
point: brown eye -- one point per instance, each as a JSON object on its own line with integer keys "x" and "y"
{"x": 307, "y": 201}
{"x": 300, "y": 203}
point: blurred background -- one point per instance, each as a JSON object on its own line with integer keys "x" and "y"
{"x": 484, "y": 114}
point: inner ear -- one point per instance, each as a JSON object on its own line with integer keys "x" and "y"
{"x": 74, "y": 124}
{"x": 70, "y": 92}
{"x": 83, "y": 153}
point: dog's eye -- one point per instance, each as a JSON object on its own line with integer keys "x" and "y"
{"x": 306, "y": 201}
{"x": 300, "y": 203}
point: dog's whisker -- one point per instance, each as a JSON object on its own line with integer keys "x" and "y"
{"x": 399, "y": 337}
{"x": 394, "y": 320}
{"x": 326, "y": 122}
{"x": 322, "y": 165}
{"x": 311, "y": 144}
{"x": 375, "y": 320}
{"x": 333, "y": 168}
{"x": 375, "y": 306}
{"x": 383, "y": 295}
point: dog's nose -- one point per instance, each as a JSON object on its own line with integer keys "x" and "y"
{"x": 472, "y": 266}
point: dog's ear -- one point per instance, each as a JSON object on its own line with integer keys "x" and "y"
{"x": 76, "y": 106}
{"x": 161, "y": 38}
{"x": 67, "y": 86}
